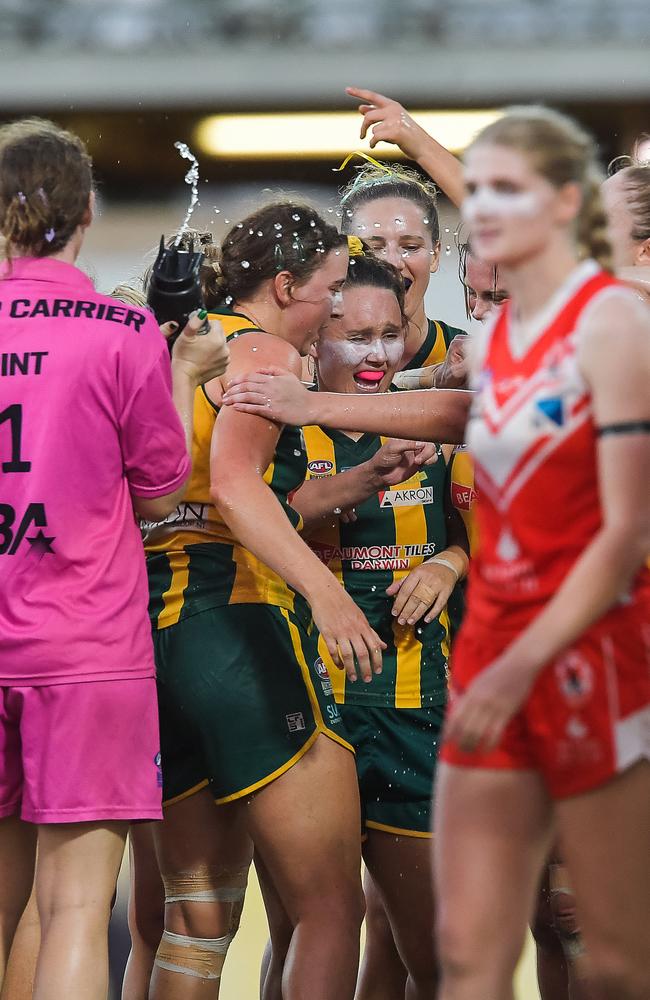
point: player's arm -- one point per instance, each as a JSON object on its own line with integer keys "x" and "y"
{"x": 394, "y": 462}
{"x": 390, "y": 122}
{"x": 243, "y": 447}
{"x": 619, "y": 380}
{"x": 424, "y": 415}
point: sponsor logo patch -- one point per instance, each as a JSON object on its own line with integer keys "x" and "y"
{"x": 320, "y": 467}
{"x": 575, "y": 678}
{"x": 406, "y": 498}
{"x": 323, "y": 675}
{"x": 462, "y": 497}
{"x": 295, "y": 722}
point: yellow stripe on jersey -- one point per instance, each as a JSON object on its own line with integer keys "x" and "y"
{"x": 438, "y": 352}
{"x": 320, "y": 447}
{"x": 463, "y": 494}
{"x": 179, "y": 563}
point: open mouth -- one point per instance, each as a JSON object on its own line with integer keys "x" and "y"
{"x": 368, "y": 381}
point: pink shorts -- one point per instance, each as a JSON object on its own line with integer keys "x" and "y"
{"x": 82, "y": 752}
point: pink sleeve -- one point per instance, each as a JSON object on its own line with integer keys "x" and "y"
{"x": 153, "y": 441}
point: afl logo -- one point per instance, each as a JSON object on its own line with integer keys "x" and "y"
{"x": 320, "y": 668}
{"x": 320, "y": 467}
{"x": 575, "y": 678}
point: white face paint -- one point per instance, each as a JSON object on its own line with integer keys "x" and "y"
{"x": 486, "y": 202}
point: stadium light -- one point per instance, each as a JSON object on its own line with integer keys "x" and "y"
{"x": 322, "y": 134}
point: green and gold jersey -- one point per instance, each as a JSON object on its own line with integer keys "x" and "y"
{"x": 439, "y": 337}
{"x": 396, "y": 530}
{"x": 193, "y": 561}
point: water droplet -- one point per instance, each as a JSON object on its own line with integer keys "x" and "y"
{"x": 447, "y": 229}
{"x": 426, "y": 221}
{"x": 297, "y": 452}
{"x": 330, "y": 211}
{"x": 191, "y": 178}
{"x": 277, "y": 225}
{"x": 348, "y": 212}
{"x": 260, "y": 233}
{"x": 447, "y": 250}
{"x": 377, "y": 225}
{"x": 337, "y": 510}
{"x": 217, "y": 211}
{"x": 313, "y": 224}
{"x": 251, "y": 232}
{"x": 245, "y": 264}
{"x": 373, "y": 588}
{"x": 240, "y": 225}
{"x": 253, "y": 349}
{"x": 229, "y": 300}
{"x": 227, "y": 221}
{"x": 295, "y": 217}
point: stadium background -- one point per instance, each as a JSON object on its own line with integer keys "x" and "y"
{"x": 134, "y": 76}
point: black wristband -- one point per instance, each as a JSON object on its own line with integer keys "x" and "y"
{"x": 627, "y": 427}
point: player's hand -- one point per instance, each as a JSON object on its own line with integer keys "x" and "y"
{"x": 398, "y": 460}
{"x": 275, "y": 394}
{"x": 477, "y": 718}
{"x": 453, "y": 373}
{"x": 346, "y": 632}
{"x": 202, "y": 356}
{"x": 423, "y": 592}
{"x": 389, "y": 122}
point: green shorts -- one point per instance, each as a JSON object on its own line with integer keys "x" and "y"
{"x": 242, "y": 694}
{"x": 396, "y": 755}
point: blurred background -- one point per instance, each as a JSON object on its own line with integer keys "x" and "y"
{"x": 231, "y": 78}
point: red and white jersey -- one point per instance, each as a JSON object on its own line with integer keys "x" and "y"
{"x": 532, "y": 437}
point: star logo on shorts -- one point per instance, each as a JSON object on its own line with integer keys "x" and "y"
{"x": 41, "y": 543}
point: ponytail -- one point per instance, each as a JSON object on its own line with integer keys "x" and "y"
{"x": 592, "y": 232}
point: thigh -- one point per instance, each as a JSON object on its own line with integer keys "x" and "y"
{"x": 11, "y": 768}
{"x": 204, "y": 853}
{"x": 306, "y": 827}
{"x": 90, "y": 752}
{"x": 605, "y": 836}
{"x": 78, "y": 865}
{"x": 146, "y": 892}
{"x": 493, "y": 832}
{"x": 401, "y": 870}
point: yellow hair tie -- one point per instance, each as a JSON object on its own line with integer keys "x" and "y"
{"x": 364, "y": 156}
{"x": 355, "y": 247}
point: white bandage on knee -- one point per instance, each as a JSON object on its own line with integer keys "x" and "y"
{"x": 202, "y": 958}
{"x": 207, "y": 885}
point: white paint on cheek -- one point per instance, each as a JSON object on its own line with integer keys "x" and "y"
{"x": 486, "y": 202}
{"x": 345, "y": 353}
{"x": 394, "y": 349}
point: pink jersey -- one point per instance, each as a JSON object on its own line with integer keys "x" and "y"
{"x": 86, "y": 420}
{"x": 532, "y": 437}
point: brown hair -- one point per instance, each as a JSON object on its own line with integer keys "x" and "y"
{"x": 563, "y": 153}
{"x": 281, "y": 236}
{"x": 367, "y": 271}
{"x": 372, "y": 182}
{"x": 45, "y": 184}
{"x": 636, "y": 183}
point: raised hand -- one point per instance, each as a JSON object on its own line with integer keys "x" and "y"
{"x": 389, "y": 122}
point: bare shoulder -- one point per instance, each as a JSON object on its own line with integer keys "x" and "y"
{"x": 254, "y": 350}
{"x": 616, "y": 315}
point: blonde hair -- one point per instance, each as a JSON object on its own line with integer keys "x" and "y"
{"x": 563, "y": 153}
{"x": 130, "y": 296}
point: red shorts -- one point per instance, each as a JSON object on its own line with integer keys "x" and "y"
{"x": 588, "y": 715}
{"x": 81, "y": 752}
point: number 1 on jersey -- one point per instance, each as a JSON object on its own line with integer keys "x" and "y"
{"x": 14, "y": 415}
